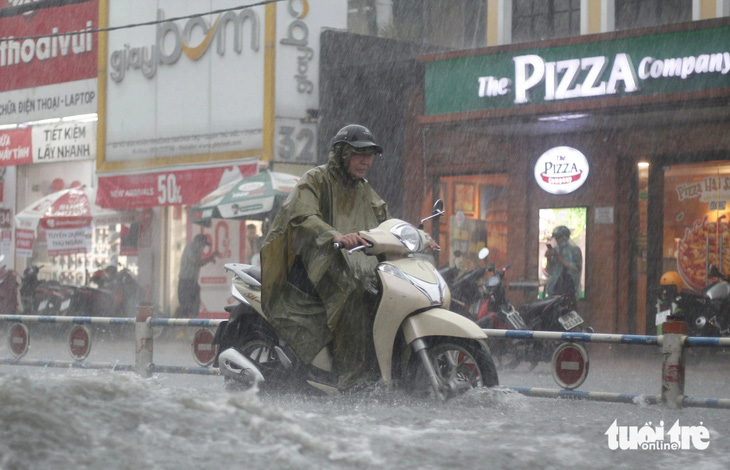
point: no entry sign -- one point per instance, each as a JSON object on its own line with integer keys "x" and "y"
{"x": 19, "y": 340}
{"x": 570, "y": 365}
{"x": 203, "y": 348}
{"x": 79, "y": 342}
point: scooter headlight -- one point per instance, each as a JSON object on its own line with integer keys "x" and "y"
{"x": 408, "y": 235}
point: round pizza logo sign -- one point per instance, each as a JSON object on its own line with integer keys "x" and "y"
{"x": 561, "y": 170}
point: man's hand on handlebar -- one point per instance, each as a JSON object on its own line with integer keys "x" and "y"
{"x": 349, "y": 241}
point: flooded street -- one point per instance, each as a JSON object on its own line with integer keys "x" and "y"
{"x": 56, "y": 418}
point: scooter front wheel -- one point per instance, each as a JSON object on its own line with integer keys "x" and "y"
{"x": 460, "y": 365}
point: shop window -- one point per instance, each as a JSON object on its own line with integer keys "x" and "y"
{"x": 632, "y": 14}
{"x": 361, "y": 17}
{"x": 535, "y": 20}
{"x": 476, "y": 217}
{"x": 455, "y": 24}
{"x": 696, "y": 221}
{"x": 575, "y": 218}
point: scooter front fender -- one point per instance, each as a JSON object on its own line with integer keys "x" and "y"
{"x": 440, "y": 322}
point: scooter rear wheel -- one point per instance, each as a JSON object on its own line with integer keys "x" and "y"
{"x": 460, "y": 365}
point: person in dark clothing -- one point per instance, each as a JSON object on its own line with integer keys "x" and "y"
{"x": 188, "y": 289}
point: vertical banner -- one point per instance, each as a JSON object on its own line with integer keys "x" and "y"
{"x": 299, "y": 24}
{"x": 24, "y": 243}
{"x": 215, "y": 294}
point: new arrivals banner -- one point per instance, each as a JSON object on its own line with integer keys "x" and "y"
{"x": 170, "y": 187}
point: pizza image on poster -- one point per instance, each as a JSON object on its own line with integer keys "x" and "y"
{"x": 704, "y": 243}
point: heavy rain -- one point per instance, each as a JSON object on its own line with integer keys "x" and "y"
{"x": 194, "y": 271}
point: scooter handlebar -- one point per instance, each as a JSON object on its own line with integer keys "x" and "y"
{"x": 339, "y": 246}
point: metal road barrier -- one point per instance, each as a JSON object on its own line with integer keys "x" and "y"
{"x": 570, "y": 364}
{"x": 79, "y": 341}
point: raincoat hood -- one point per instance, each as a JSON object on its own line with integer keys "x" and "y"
{"x": 326, "y": 202}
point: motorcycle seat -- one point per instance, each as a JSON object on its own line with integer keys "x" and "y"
{"x": 534, "y": 308}
{"x": 254, "y": 272}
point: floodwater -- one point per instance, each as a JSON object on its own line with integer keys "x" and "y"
{"x": 102, "y": 419}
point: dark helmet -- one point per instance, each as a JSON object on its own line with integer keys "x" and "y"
{"x": 357, "y": 136}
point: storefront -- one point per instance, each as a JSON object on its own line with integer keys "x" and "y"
{"x": 623, "y": 137}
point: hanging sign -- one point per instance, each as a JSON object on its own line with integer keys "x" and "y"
{"x": 66, "y": 242}
{"x": 561, "y": 170}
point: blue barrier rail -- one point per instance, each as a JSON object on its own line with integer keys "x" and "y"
{"x": 673, "y": 343}
{"x": 143, "y": 353}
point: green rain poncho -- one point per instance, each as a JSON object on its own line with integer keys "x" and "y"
{"x": 313, "y": 293}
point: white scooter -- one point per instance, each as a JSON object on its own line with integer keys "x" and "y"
{"x": 421, "y": 346}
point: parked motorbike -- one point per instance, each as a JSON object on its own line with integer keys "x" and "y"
{"x": 466, "y": 295}
{"x": 8, "y": 290}
{"x": 707, "y": 313}
{"x": 554, "y": 313}
{"x": 44, "y": 297}
{"x": 421, "y": 346}
{"x": 116, "y": 294}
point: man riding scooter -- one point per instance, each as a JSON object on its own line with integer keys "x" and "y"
{"x": 312, "y": 293}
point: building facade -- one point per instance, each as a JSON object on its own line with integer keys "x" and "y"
{"x": 622, "y": 136}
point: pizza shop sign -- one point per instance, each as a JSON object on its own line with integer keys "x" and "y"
{"x": 652, "y": 65}
{"x": 561, "y": 170}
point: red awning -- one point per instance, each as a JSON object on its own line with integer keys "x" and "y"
{"x": 169, "y": 187}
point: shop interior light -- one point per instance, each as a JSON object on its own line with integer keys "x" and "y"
{"x": 643, "y": 164}
{"x": 91, "y": 117}
{"x": 562, "y": 117}
{"x": 41, "y": 121}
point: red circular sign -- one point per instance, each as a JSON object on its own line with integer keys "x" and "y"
{"x": 79, "y": 342}
{"x": 204, "y": 350}
{"x": 570, "y": 365}
{"x": 19, "y": 340}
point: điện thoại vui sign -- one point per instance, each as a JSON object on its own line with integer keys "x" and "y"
{"x": 636, "y": 66}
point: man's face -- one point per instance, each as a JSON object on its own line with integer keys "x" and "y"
{"x": 360, "y": 162}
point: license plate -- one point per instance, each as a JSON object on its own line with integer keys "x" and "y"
{"x": 65, "y": 304}
{"x": 570, "y": 320}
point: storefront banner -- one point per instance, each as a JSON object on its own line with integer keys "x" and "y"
{"x": 298, "y": 28}
{"x": 64, "y": 141}
{"x": 183, "y": 88}
{"x": 635, "y": 66}
{"x": 24, "y": 243}
{"x": 16, "y": 147}
{"x": 48, "y": 143}
{"x": 68, "y": 242}
{"x": 33, "y": 68}
{"x": 167, "y": 188}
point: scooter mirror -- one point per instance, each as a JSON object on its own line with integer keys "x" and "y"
{"x": 483, "y": 253}
{"x": 438, "y": 210}
{"x": 438, "y": 207}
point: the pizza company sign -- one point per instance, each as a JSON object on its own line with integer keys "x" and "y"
{"x": 561, "y": 170}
